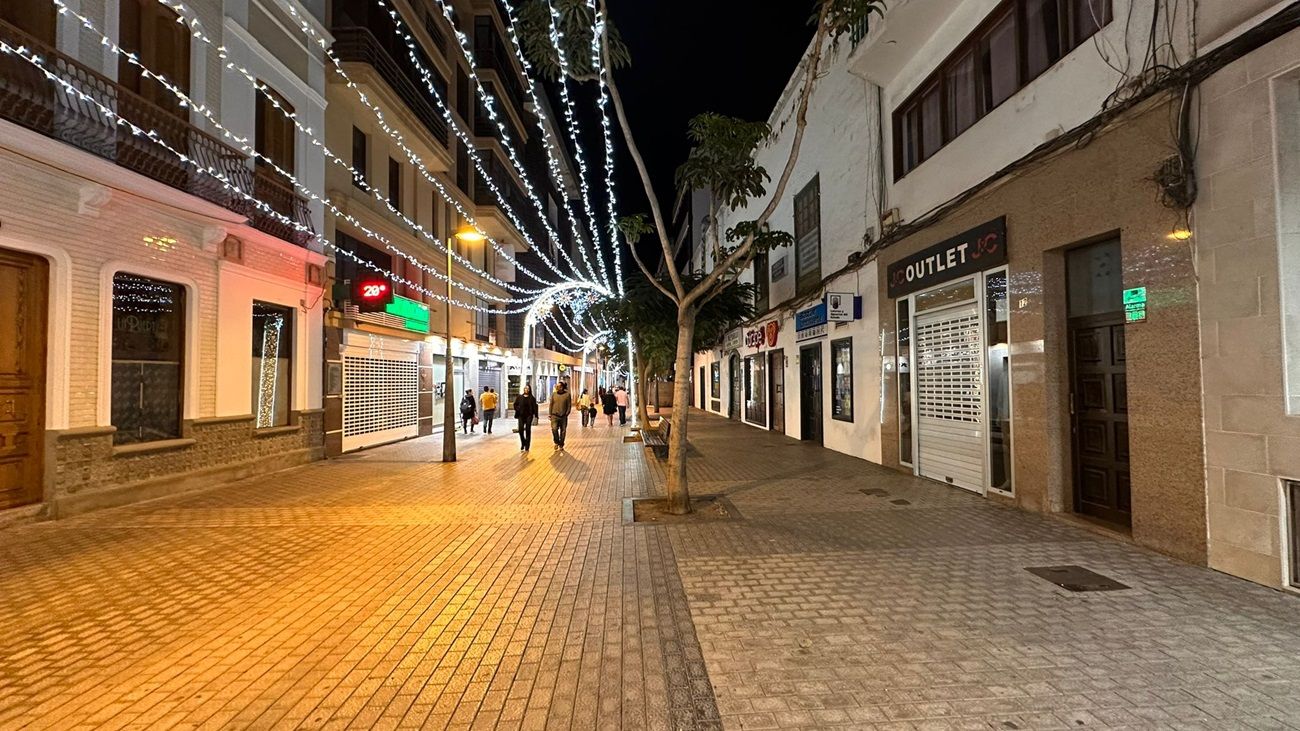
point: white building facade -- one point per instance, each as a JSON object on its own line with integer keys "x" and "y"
{"x": 160, "y": 328}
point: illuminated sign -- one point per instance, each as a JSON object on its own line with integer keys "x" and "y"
{"x": 982, "y": 247}
{"x": 1135, "y": 304}
{"x": 415, "y": 314}
{"x": 372, "y": 294}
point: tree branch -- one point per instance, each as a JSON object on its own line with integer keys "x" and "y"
{"x": 646, "y": 271}
{"x": 813, "y": 67}
{"x": 632, "y": 147}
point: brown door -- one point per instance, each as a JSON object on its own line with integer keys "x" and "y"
{"x": 1099, "y": 404}
{"x": 22, "y": 378}
{"x": 776, "y": 387}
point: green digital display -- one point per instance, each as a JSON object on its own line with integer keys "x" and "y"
{"x": 1135, "y": 296}
{"x": 415, "y": 314}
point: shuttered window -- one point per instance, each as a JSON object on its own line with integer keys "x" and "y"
{"x": 808, "y": 237}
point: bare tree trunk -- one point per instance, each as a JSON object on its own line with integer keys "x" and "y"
{"x": 642, "y": 415}
{"x": 679, "y": 497}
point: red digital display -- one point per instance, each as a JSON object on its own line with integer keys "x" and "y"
{"x": 372, "y": 295}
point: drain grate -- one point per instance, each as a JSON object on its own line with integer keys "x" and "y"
{"x": 1076, "y": 578}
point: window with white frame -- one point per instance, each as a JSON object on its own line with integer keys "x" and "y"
{"x": 272, "y": 364}
{"x": 148, "y": 375}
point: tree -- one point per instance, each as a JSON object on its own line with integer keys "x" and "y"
{"x": 723, "y": 160}
{"x": 649, "y": 319}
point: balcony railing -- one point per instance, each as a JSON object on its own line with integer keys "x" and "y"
{"x": 510, "y": 191}
{"x": 359, "y": 45}
{"x": 278, "y": 194}
{"x": 30, "y": 99}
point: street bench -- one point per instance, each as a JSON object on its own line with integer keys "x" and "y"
{"x": 657, "y": 439}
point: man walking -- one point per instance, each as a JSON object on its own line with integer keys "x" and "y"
{"x": 526, "y": 412}
{"x": 621, "y": 400}
{"x": 468, "y": 411}
{"x": 489, "y": 402}
{"x": 561, "y": 407}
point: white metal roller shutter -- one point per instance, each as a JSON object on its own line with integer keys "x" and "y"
{"x": 949, "y": 397}
{"x": 381, "y": 399}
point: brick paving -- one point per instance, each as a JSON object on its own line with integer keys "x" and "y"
{"x": 382, "y": 590}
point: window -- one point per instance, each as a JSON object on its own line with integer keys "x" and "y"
{"x": 482, "y": 320}
{"x": 360, "y": 158}
{"x": 272, "y": 364}
{"x": 1017, "y": 43}
{"x": 998, "y": 367}
{"x": 148, "y": 353}
{"x": 903, "y": 356}
{"x": 274, "y": 130}
{"x": 715, "y": 385}
{"x": 756, "y": 389}
{"x": 395, "y": 184}
{"x": 842, "y": 379}
{"x": 1293, "y": 524}
{"x": 150, "y": 30}
{"x": 762, "y": 286}
{"x": 807, "y": 233}
{"x": 36, "y": 19}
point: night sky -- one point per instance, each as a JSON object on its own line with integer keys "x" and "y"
{"x": 691, "y": 56}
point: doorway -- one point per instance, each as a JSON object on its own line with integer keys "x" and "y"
{"x": 701, "y": 403}
{"x": 776, "y": 390}
{"x": 810, "y": 393}
{"x": 1099, "y": 383}
{"x": 733, "y": 408}
{"x": 23, "y": 304}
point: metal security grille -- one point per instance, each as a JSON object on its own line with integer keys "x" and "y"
{"x": 381, "y": 400}
{"x": 949, "y": 396}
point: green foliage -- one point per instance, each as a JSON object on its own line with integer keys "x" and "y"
{"x": 635, "y": 227}
{"x": 651, "y": 318}
{"x": 765, "y": 239}
{"x": 846, "y": 17}
{"x": 722, "y": 158}
{"x": 576, "y": 23}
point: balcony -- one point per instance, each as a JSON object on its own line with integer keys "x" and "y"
{"x": 359, "y": 45}
{"x": 29, "y": 99}
{"x": 278, "y": 194}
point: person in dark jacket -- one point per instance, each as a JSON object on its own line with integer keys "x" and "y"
{"x": 468, "y": 409}
{"x": 560, "y": 408}
{"x": 609, "y": 404}
{"x": 526, "y": 411}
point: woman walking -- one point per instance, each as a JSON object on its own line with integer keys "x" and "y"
{"x": 468, "y": 411}
{"x": 525, "y": 412}
{"x": 608, "y": 404}
{"x": 584, "y": 405}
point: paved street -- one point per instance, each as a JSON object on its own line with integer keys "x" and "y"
{"x": 380, "y": 590}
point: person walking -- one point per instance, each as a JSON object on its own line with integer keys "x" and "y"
{"x": 560, "y": 408}
{"x": 584, "y": 405}
{"x": 526, "y": 412}
{"x": 608, "y": 404}
{"x": 489, "y": 402}
{"x": 468, "y": 412}
{"x": 621, "y": 401}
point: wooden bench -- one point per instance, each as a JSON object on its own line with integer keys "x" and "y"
{"x": 657, "y": 438}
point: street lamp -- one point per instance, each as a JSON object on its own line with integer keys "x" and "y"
{"x": 468, "y": 235}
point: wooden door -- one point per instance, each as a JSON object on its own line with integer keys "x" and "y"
{"x": 733, "y": 408}
{"x": 810, "y": 393}
{"x": 776, "y": 389}
{"x": 23, "y": 283}
{"x": 1099, "y": 408}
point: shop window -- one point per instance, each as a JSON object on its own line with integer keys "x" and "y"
{"x": 1017, "y": 43}
{"x": 998, "y": 367}
{"x": 360, "y": 158}
{"x": 148, "y": 359}
{"x": 756, "y": 389}
{"x": 842, "y": 379}
{"x": 272, "y": 364}
{"x": 715, "y": 386}
{"x": 904, "y": 359}
{"x": 274, "y": 130}
{"x": 807, "y": 233}
{"x": 395, "y": 184}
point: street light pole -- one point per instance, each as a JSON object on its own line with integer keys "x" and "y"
{"x": 448, "y": 389}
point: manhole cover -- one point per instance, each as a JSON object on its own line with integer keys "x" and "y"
{"x": 1076, "y": 578}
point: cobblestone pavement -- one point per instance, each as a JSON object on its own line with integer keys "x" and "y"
{"x": 381, "y": 590}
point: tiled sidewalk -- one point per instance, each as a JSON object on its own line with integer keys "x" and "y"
{"x": 384, "y": 590}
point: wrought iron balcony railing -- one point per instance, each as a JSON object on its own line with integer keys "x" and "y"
{"x": 30, "y": 99}
{"x": 280, "y": 196}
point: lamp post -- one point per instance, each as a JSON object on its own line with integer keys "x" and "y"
{"x": 469, "y": 236}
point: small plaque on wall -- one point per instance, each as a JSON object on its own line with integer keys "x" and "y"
{"x": 333, "y": 379}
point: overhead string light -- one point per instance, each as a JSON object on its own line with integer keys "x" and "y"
{"x": 550, "y": 136}
{"x": 598, "y": 63}
{"x": 488, "y": 104}
{"x": 564, "y": 342}
{"x": 154, "y": 136}
{"x": 451, "y": 122}
{"x": 575, "y": 132}
{"x": 398, "y": 139}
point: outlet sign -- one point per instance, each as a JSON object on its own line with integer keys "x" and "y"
{"x": 980, "y": 248}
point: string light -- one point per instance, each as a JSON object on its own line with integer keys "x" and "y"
{"x": 597, "y": 62}
{"x": 268, "y": 372}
